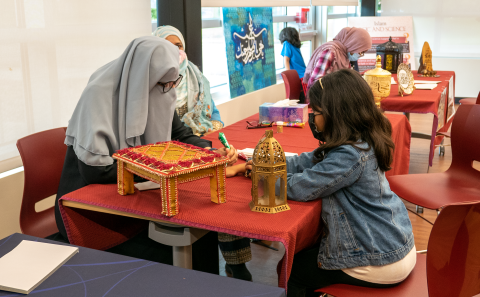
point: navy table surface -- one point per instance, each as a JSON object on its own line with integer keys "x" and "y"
{"x": 97, "y": 273}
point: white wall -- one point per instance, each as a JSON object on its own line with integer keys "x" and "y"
{"x": 451, "y": 27}
{"x": 467, "y": 83}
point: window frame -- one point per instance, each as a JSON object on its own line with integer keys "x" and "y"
{"x": 325, "y": 16}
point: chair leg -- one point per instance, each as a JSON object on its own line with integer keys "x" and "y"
{"x": 419, "y": 209}
{"x": 441, "y": 151}
{"x": 441, "y": 148}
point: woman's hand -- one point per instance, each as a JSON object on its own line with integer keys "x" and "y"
{"x": 231, "y": 154}
{"x": 208, "y": 132}
{"x": 234, "y": 170}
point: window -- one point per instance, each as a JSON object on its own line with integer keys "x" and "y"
{"x": 214, "y": 56}
{"x": 213, "y": 45}
{"x": 45, "y": 71}
{"x": 337, "y": 18}
{"x": 153, "y": 10}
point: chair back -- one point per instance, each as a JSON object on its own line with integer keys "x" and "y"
{"x": 466, "y": 139}
{"x": 293, "y": 85}
{"x": 478, "y": 99}
{"x": 42, "y": 155}
{"x": 453, "y": 257}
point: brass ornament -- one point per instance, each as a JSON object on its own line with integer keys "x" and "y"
{"x": 406, "y": 80}
{"x": 379, "y": 81}
{"x": 426, "y": 69}
{"x": 268, "y": 166}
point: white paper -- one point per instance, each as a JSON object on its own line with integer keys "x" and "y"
{"x": 425, "y": 86}
{"x": 426, "y": 81}
{"x": 286, "y": 102}
{"x": 393, "y": 81}
{"x": 30, "y": 263}
{"x": 149, "y": 185}
{"x": 249, "y": 153}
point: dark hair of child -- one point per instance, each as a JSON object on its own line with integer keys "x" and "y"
{"x": 291, "y": 35}
{"x": 350, "y": 115}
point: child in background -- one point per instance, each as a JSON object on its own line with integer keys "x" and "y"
{"x": 367, "y": 239}
{"x": 291, "y": 54}
{"x": 291, "y": 50}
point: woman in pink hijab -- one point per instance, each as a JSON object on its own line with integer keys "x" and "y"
{"x": 348, "y": 46}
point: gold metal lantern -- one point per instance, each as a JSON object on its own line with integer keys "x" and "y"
{"x": 379, "y": 81}
{"x": 269, "y": 166}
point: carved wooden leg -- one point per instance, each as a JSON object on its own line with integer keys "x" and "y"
{"x": 169, "y": 192}
{"x": 217, "y": 185}
{"x": 124, "y": 179}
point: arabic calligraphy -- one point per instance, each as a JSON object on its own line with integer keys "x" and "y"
{"x": 251, "y": 46}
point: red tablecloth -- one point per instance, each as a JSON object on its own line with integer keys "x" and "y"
{"x": 296, "y": 229}
{"x": 296, "y": 140}
{"x": 426, "y": 101}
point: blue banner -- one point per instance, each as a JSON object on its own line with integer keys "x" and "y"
{"x": 250, "y": 55}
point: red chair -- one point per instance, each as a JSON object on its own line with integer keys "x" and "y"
{"x": 451, "y": 266}
{"x": 42, "y": 155}
{"x": 465, "y": 101}
{"x": 293, "y": 84}
{"x": 471, "y": 100}
{"x": 461, "y": 182}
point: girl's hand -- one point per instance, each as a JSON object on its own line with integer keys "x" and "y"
{"x": 248, "y": 168}
{"x": 234, "y": 170}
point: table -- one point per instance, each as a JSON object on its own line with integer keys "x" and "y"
{"x": 97, "y": 273}
{"x": 109, "y": 218}
{"x": 296, "y": 140}
{"x": 439, "y": 102}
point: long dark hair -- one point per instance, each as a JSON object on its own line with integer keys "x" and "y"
{"x": 291, "y": 35}
{"x": 350, "y": 115}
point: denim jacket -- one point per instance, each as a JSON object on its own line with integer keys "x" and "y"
{"x": 365, "y": 223}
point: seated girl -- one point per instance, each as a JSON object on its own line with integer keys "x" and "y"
{"x": 367, "y": 239}
{"x": 194, "y": 104}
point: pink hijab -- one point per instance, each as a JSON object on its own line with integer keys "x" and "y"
{"x": 348, "y": 40}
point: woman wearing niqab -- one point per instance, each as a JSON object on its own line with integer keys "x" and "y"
{"x": 126, "y": 103}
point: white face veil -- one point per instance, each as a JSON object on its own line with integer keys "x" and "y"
{"x": 122, "y": 104}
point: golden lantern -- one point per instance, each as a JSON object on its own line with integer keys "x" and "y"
{"x": 379, "y": 81}
{"x": 269, "y": 166}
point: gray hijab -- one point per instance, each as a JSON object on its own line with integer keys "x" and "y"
{"x": 122, "y": 105}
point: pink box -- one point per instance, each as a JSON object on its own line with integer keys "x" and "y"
{"x": 297, "y": 113}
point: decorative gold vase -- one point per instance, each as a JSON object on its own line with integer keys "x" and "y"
{"x": 379, "y": 81}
